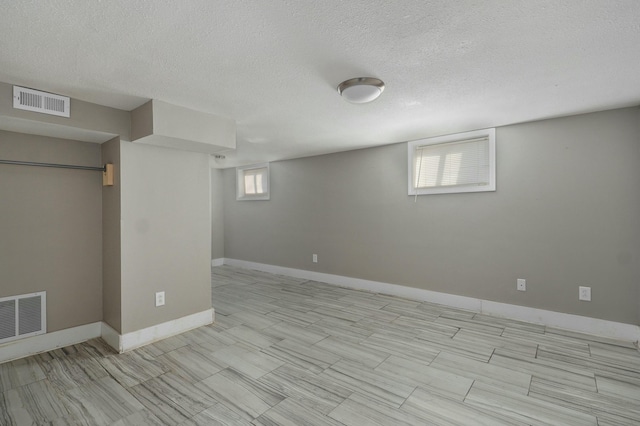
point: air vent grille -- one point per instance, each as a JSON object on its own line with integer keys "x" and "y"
{"x": 22, "y": 316}
{"x": 30, "y": 315}
{"x": 43, "y": 102}
{"x": 7, "y": 319}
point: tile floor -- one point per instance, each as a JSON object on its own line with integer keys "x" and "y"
{"x": 285, "y": 351}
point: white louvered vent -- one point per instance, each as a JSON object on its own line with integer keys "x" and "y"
{"x": 46, "y": 103}
{"x": 23, "y": 316}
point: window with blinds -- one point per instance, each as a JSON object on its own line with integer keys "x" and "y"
{"x": 252, "y": 182}
{"x": 463, "y": 162}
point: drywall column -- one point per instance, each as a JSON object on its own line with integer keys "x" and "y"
{"x": 111, "y": 242}
{"x": 166, "y": 234}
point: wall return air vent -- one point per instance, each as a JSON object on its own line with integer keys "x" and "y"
{"x": 43, "y": 102}
{"x": 23, "y": 316}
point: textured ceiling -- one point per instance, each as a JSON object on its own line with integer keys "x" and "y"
{"x": 273, "y": 66}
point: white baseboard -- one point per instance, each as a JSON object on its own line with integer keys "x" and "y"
{"x": 49, "y": 341}
{"x": 135, "y": 339}
{"x": 595, "y": 326}
{"x": 111, "y": 336}
{"x": 217, "y": 262}
{"x": 46, "y": 342}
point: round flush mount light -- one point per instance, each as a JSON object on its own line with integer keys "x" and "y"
{"x": 361, "y": 90}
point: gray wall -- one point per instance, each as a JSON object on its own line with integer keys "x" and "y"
{"x": 87, "y": 119}
{"x": 217, "y": 214}
{"x": 51, "y": 227}
{"x": 166, "y": 234}
{"x": 111, "y": 240}
{"x": 565, "y": 214}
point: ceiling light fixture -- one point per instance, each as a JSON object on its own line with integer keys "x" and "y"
{"x": 361, "y": 90}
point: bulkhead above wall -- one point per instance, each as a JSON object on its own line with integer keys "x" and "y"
{"x": 87, "y": 122}
{"x": 171, "y": 126}
{"x": 154, "y": 123}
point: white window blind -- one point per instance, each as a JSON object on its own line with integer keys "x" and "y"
{"x": 455, "y": 163}
{"x": 252, "y": 182}
{"x": 452, "y": 163}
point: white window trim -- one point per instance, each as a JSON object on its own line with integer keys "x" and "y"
{"x": 240, "y": 195}
{"x": 411, "y": 149}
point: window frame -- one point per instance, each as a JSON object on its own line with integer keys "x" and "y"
{"x": 490, "y": 134}
{"x": 240, "y": 188}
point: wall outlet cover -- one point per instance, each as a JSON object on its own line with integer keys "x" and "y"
{"x": 584, "y": 293}
{"x": 160, "y": 298}
{"x": 521, "y": 284}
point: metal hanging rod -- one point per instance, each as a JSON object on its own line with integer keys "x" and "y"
{"x": 58, "y": 166}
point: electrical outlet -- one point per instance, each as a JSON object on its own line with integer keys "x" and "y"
{"x": 521, "y": 284}
{"x": 584, "y": 293}
{"x": 315, "y": 258}
{"x": 160, "y": 298}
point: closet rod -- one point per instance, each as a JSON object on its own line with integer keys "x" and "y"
{"x": 59, "y": 166}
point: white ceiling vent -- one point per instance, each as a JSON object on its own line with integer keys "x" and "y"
{"x": 46, "y": 103}
{"x": 23, "y": 316}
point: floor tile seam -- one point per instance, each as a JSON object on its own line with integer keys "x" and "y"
{"x": 398, "y": 408}
{"x": 320, "y": 414}
{"x": 529, "y": 387}
{"x": 454, "y": 334}
{"x": 63, "y": 391}
{"x": 633, "y": 357}
{"x": 217, "y": 402}
{"x": 143, "y": 381}
{"x": 68, "y": 405}
{"x": 634, "y": 367}
{"x": 469, "y": 390}
{"x": 584, "y": 394}
{"x": 500, "y": 337}
{"x": 421, "y": 416}
{"x": 482, "y": 376}
{"x": 334, "y": 409}
{"x": 504, "y": 413}
{"x": 325, "y": 378}
{"x": 408, "y": 396}
{"x": 45, "y": 379}
{"x": 365, "y": 395}
{"x": 110, "y": 375}
{"x": 445, "y": 320}
{"x": 535, "y": 374}
{"x": 268, "y": 385}
{"x": 496, "y": 391}
{"x": 491, "y": 356}
{"x": 588, "y": 409}
{"x": 63, "y": 400}
{"x": 2, "y": 391}
{"x": 547, "y": 344}
{"x": 585, "y": 340}
{"x": 384, "y": 376}
{"x": 155, "y": 395}
{"x": 231, "y": 406}
{"x": 300, "y": 355}
{"x": 595, "y": 364}
{"x": 611, "y": 398}
{"x": 484, "y": 411}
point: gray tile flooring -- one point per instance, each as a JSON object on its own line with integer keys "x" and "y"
{"x": 285, "y": 351}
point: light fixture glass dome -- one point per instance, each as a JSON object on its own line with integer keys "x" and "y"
{"x": 361, "y": 90}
